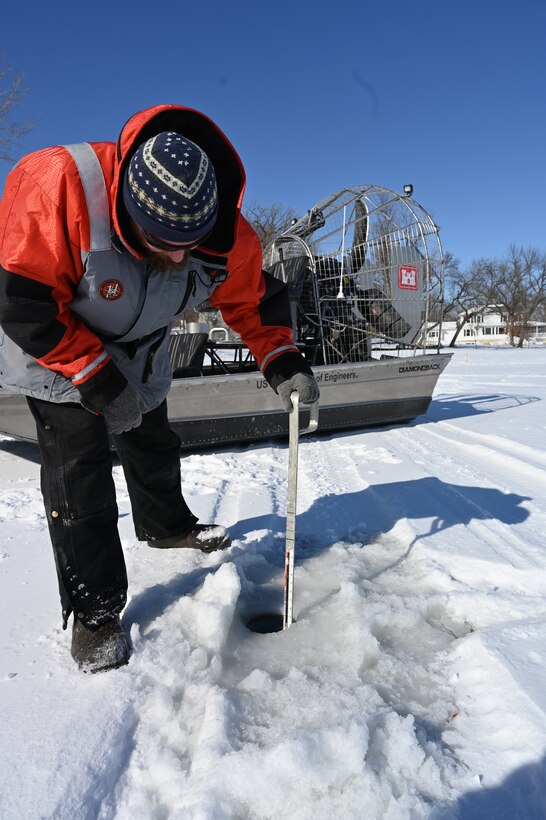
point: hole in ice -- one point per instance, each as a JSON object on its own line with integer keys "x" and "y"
{"x": 265, "y": 623}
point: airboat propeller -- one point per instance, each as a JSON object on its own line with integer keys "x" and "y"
{"x": 364, "y": 264}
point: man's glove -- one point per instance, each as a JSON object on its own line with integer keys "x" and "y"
{"x": 122, "y": 413}
{"x": 305, "y": 384}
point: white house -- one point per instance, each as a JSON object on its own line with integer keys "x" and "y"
{"x": 488, "y": 327}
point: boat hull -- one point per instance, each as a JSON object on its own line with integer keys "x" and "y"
{"x": 214, "y": 410}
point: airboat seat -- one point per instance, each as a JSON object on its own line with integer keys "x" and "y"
{"x": 292, "y": 271}
{"x": 187, "y": 352}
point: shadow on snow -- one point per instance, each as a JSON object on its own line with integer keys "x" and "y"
{"x": 376, "y": 509}
{"x": 445, "y": 408}
{"x": 521, "y": 796}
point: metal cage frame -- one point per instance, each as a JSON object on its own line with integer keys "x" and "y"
{"x": 365, "y": 271}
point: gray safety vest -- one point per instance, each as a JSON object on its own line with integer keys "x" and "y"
{"x": 124, "y": 301}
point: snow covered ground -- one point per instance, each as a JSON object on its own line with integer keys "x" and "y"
{"x": 412, "y": 684}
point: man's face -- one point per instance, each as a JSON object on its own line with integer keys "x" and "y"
{"x": 162, "y": 261}
{"x": 160, "y": 255}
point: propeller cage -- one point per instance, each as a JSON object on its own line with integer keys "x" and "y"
{"x": 365, "y": 272}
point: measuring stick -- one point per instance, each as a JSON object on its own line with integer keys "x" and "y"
{"x": 292, "y": 497}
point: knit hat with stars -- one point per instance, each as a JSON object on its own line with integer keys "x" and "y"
{"x": 170, "y": 189}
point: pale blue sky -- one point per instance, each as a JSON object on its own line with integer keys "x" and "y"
{"x": 316, "y": 96}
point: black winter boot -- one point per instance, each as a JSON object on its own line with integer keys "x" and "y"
{"x": 204, "y": 537}
{"x": 97, "y": 649}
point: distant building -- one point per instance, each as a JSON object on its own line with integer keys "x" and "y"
{"x": 488, "y": 327}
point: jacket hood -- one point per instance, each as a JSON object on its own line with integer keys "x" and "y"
{"x": 230, "y": 174}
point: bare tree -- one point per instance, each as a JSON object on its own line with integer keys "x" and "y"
{"x": 518, "y": 284}
{"x": 515, "y": 285}
{"x": 11, "y": 95}
{"x": 269, "y": 221}
{"x": 465, "y": 291}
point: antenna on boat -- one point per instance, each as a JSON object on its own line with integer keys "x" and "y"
{"x": 340, "y": 294}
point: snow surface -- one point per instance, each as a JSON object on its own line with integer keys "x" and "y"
{"x": 412, "y": 683}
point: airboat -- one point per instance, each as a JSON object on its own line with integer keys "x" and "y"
{"x": 364, "y": 271}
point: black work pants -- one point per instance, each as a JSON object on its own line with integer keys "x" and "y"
{"x": 80, "y": 500}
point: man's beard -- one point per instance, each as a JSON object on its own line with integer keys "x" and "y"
{"x": 162, "y": 263}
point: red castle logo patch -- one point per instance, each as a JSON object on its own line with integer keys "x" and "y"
{"x": 408, "y": 277}
{"x": 111, "y": 290}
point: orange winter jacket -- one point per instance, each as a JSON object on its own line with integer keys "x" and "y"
{"x": 59, "y": 323}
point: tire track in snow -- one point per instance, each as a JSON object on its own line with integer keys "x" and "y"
{"x": 497, "y": 567}
{"x": 492, "y": 453}
{"x": 246, "y": 483}
{"x": 493, "y": 520}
